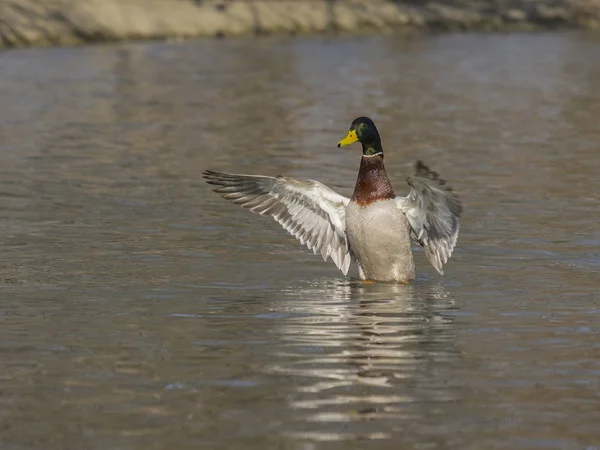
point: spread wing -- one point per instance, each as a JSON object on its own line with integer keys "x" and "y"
{"x": 433, "y": 211}
{"x": 308, "y": 210}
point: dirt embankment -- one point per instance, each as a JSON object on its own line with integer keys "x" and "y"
{"x": 60, "y": 22}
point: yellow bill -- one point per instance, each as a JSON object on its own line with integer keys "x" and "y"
{"x": 350, "y": 139}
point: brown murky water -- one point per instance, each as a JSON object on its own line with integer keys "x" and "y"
{"x": 139, "y": 310}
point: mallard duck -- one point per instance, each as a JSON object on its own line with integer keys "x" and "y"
{"x": 375, "y": 228}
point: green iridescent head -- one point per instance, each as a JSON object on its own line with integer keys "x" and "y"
{"x": 363, "y": 130}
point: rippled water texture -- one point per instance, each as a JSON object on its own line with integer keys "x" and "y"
{"x": 139, "y": 310}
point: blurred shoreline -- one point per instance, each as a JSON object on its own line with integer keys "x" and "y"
{"x": 26, "y": 23}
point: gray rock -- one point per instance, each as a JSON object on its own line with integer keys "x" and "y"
{"x": 55, "y": 22}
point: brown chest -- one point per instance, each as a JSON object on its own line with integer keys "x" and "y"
{"x": 372, "y": 183}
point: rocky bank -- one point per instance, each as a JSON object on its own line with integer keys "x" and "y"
{"x": 64, "y": 22}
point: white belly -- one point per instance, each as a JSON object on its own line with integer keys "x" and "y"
{"x": 379, "y": 236}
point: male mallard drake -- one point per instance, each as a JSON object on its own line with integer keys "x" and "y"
{"x": 374, "y": 227}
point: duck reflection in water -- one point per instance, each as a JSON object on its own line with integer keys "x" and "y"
{"x": 368, "y": 351}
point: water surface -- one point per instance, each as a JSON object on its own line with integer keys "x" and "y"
{"x": 139, "y": 310}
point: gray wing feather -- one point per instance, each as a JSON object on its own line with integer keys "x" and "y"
{"x": 433, "y": 211}
{"x": 308, "y": 210}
